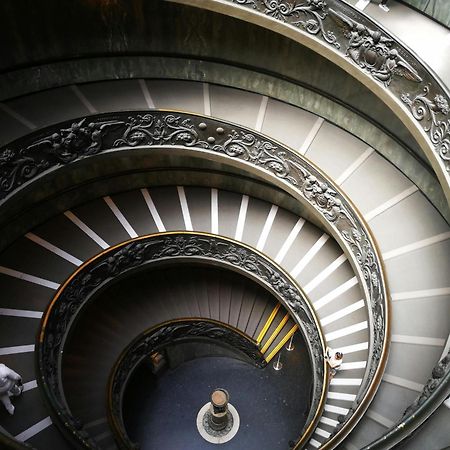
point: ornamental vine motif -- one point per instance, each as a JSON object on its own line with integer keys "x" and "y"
{"x": 308, "y": 15}
{"x": 150, "y": 130}
{"x": 312, "y": 11}
{"x": 433, "y": 113}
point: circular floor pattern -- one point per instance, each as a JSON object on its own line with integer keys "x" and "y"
{"x": 218, "y": 439}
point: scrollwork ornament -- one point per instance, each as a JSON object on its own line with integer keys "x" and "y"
{"x": 150, "y": 130}
{"x": 16, "y": 170}
{"x": 309, "y": 15}
{"x": 433, "y": 114}
{"x": 248, "y": 147}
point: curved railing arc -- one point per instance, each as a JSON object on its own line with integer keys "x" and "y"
{"x": 42, "y": 154}
{"x": 367, "y": 51}
{"x": 169, "y": 247}
{"x": 155, "y": 340}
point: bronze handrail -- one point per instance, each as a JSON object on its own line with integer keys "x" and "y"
{"x": 168, "y": 248}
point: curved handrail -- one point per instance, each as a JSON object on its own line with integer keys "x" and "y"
{"x": 43, "y": 153}
{"x": 435, "y": 391}
{"x": 366, "y": 50}
{"x": 155, "y": 339}
{"x": 138, "y": 253}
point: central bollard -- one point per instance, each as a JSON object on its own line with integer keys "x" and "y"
{"x": 218, "y": 412}
{"x": 218, "y": 420}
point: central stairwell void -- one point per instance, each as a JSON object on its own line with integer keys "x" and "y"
{"x": 272, "y": 405}
{"x": 180, "y": 296}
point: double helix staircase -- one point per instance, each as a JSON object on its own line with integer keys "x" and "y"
{"x": 412, "y": 236}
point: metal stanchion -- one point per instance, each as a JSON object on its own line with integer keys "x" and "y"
{"x": 290, "y": 345}
{"x": 277, "y": 365}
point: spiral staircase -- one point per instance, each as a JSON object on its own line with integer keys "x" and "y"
{"x": 63, "y": 220}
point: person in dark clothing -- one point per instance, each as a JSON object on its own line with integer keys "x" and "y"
{"x": 383, "y": 5}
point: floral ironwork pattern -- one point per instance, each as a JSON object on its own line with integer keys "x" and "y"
{"x": 370, "y": 47}
{"x": 130, "y": 256}
{"x": 155, "y": 340}
{"x": 150, "y": 130}
{"x": 433, "y": 113}
{"x": 308, "y": 14}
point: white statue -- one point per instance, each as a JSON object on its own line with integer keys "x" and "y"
{"x": 10, "y": 386}
{"x": 334, "y": 360}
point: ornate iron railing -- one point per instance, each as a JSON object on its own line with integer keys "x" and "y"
{"x": 365, "y": 49}
{"x": 142, "y": 252}
{"x": 353, "y": 37}
{"x": 156, "y": 339}
{"x": 435, "y": 391}
{"x": 30, "y": 159}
